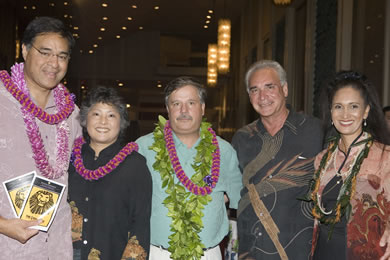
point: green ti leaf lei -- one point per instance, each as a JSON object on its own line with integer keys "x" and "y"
{"x": 184, "y": 207}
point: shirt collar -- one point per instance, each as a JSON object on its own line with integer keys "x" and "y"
{"x": 293, "y": 121}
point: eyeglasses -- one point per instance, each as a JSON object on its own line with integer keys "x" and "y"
{"x": 63, "y": 57}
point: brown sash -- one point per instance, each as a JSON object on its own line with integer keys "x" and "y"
{"x": 266, "y": 219}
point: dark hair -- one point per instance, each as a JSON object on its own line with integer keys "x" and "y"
{"x": 107, "y": 96}
{"x": 266, "y": 64}
{"x": 385, "y": 109}
{"x": 375, "y": 121}
{"x": 44, "y": 24}
{"x": 182, "y": 82}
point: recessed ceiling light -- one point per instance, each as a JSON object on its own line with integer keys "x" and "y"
{"x": 208, "y": 16}
{"x": 81, "y": 51}
{"x": 51, "y": 4}
{"x": 134, "y": 6}
{"x": 129, "y": 18}
{"x": 156, "y": 7}
{"x": 207, "y": 21}
{"x": 65, "y": 15}
{"x": 76, "y": 27}
{"x": 205, "y": 26}
{"x": 95, "y": 45}
{"x": 25, "y": 7}
{"x": 70, "y": 16}
{"x": 65, "y": 3}
{"x": 211, "y": 11}
{"x": 90, "y": 51}
{"x": 159, "y": 85}
{"x": 105, "y": 18}
{"x": 120, "y": 84}
{"x": 82, "y": 87}
{"x": 75, "y": 35}
{"x": 141, "y": 28}
{"x": 33, "y": 7}
{"x": 124, "y": 28}
{"x": 104, "y": 4}
{"x": 118, "y": 36}
{"x": 102, "y": 29}
{"x": 128, "y": 105}
{"x": 100, "y": 37}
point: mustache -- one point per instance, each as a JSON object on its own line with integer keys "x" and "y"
{"x": 184, "y": 116}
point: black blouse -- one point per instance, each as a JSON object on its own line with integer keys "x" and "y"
{"x": 111, "y": 214}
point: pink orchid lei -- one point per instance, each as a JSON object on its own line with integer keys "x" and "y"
{"x": 103, "y": 170}
{"x": 17, "y": 87}
{"x": 19, "y": 93}
{"x": 210, "y": 180}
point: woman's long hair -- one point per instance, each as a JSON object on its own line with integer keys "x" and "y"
{"x": 376, "y": 124}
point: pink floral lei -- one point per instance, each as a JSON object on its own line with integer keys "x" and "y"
{"x": 16, "y": 85}
{"x": 210, "y": 180}
{"x": 103, "y": 170}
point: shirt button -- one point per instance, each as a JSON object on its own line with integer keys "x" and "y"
{"x": 86, "y": 198}
{"x": 85, "y": 242}
{"x": 85, "y": 220}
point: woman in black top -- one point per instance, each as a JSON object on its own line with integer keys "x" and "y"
{"x": 110, "y": 185}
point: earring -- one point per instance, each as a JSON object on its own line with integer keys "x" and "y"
{"x": 332, "y": 122}
{"x": 365, "y": 122}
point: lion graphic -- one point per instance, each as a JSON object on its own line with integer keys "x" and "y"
{"x": 41, "y": 201}
{"x": 20, "y": 196}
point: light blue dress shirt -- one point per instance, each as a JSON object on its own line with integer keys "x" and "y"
{"x": 215, "y": 220}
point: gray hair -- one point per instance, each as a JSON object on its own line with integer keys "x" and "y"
{"x": 266, "y": 64}
{"x": 107, "y": 96}
{"x": 180, "y": 82}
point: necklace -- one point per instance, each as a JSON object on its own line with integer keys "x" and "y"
{"x": 343, "y": 205}
{"x": 16, "y": 85}
{"x": 185, "y": 204}
{"x": 348, "y": 171}
{"x": 15, "y": 88}
{"x": 103, "y": 170}
{"x": 210, "y": 180}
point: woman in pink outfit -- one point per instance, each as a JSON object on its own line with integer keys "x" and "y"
{"x": 351, "y": 186}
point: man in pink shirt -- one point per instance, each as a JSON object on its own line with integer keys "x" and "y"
{"x": 38, "y": 126}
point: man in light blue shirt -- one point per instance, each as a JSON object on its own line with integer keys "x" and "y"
{"x": 189, "y": 217}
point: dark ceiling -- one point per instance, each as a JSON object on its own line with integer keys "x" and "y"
{"x": 182, "y": 18}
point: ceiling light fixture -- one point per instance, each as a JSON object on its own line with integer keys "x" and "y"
{"x": 205, "y": 26}
{"x": 102, "y": 29}
{"x": 105, "y": 18}
{"x": 282, "y": 2}
{"x": 212, "y": 73}
{"x": 134, "y": 6}
{"x": 129, "y": 18}
{"x": 118, "y": 36}
{"x": 156, "y": 7}
{"x": 90, "y": 51}
{"x": 141, "y": 28}
{"x": 124, "y": 28}
{"x": 224, "y": 34}
{"x": 95, "y": 45}
{"x": 100, "y": 38}
{"x": 104, "y": 4}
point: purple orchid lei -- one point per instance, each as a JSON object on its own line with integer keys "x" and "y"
{"x": 103, "y": 170}
{"x": 210, "y": 180}
{"x": 28, "y": 109}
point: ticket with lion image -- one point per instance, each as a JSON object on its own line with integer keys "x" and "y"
{"x": 17, "y": 189}
{"x": 42, "y": 201}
